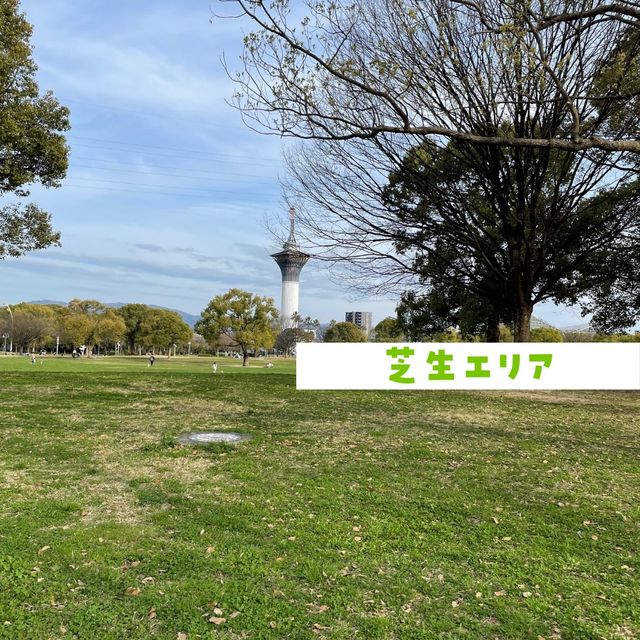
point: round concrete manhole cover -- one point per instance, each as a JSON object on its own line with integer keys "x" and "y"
{"x": 211, "y": 437}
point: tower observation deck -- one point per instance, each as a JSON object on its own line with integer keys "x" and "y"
{"x": 290, "y": 260}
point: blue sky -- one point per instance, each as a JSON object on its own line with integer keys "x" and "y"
{"x": 167, "y": 191}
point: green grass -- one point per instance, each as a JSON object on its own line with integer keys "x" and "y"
{"x": 349, "y": 515}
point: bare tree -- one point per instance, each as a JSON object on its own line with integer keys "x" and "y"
{"x": 455, "y": 69}
{"x": 28, "y": 331}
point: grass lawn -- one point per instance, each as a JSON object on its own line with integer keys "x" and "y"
{"x": 365, "y": 515}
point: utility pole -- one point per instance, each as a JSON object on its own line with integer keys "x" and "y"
{"x": 4, "y": 304}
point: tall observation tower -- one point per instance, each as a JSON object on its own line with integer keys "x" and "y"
{"x": 290, "y": 260}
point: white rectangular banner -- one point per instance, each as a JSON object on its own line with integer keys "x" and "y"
{"x": 430, "y": 365}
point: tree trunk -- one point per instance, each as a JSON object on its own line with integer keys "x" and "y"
{"x": 493, "y": 329}
{"x": 245, "y": 357}
{"x": 493, "y": 332}
{"x": 522, "y": 291}
{"x": 522, "y": 324}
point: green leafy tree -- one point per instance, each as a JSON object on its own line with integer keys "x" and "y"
{"x": 286, "y": 340}
{"x": 109, "y": 328}
{"x": 34, "y": 325}
{"x": 512, "y": 230}
{"x": 245, "y": 318}
{"x": 91, "y": 323}
{"x": 32, "y": 147}
{"x": 546, "y": 334}
{"x": 423, "y": 315}
{"x": 344, "y": 332}
{"x": 506, "y": 335}
{"x": 28, "y": 331}
{"x": 617, "y": 337}
{"x": 450, "y": 335}
{"x": 133, "y": 315}
{"x": 387, "y": 330}
{"x": 161, "y": 329}
{"x": 46, "y": 311}
{"x": 73, "y": 325}
{"x": 614, "y": 299}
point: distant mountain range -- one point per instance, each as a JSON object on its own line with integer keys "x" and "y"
{"x": 189, "y": 318}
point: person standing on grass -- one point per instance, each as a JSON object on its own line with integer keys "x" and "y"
{"x": 152, "y": 359}
{"x": 214, "y": 367}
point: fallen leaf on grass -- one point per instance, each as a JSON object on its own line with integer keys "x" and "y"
{"x": 182, "y": 636}
{"x": 500, "y": 593}
{"x": 347, "y": 571}
{"x": 43, "y": 550}
{"x": 152, "y": 614}
{"x": 526, "y": 594}
{"x": 132, "y": 591}
{"x": 216, "y": 620}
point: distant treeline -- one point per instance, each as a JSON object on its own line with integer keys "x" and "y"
{"x": 133, "y": 328}
{"x": 390, "y": 330}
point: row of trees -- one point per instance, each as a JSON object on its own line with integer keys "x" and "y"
{"x": 393, "y": 330}
{"x": 242, "y": 320}
{"x": 235, "y": 320}
{"x": 89, "y": 323}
